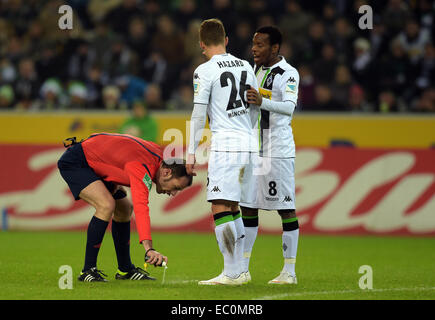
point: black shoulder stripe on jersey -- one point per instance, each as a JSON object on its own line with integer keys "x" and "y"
{"x": 268, "y": 83}
{"x": 277, "y": 70}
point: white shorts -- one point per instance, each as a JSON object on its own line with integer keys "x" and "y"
{"x": 226, "y": 172}
{"x": 272, "y": 187}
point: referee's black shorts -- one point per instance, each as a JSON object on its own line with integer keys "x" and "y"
{"x": 77, "y": 173}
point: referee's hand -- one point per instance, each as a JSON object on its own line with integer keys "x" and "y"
{"x": 156, "y": 258}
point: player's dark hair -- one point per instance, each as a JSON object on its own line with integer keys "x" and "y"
{"x": 275, "y": 35}
{"x": 178, "y": 169}
{"x": 212, "y": 32}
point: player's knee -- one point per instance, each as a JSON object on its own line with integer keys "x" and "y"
{"x": 234, "y": 207}
{"x": 287, "y": 214}
{"x": 289, "y": 220}
{"x": 249, "y": 212}
{"x": 222, "y": 205}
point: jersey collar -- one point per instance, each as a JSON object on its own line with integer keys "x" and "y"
{"x": 220, "y": 55}
{"x": 280, "y": 61}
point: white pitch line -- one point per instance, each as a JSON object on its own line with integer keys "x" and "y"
{"x": 181, "y": 281}
{"x": 285, "y": 295}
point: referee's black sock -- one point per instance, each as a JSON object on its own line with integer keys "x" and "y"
{"x": 121, "y": 240}
{"x": 95, "y": 235}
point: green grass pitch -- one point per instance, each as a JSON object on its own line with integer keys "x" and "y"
{"x": 327, "y": 268}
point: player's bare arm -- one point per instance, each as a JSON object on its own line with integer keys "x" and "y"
{"x": 197, "y": 124}
{"x": 191, "y": 160}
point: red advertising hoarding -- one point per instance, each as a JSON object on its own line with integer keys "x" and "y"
{"x": 339, "y": 190}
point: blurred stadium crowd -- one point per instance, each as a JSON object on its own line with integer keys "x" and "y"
{"x": 123, "y": 51}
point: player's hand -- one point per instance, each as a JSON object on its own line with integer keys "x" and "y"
{"x": 190, "y": 164}
{"x": 156, "y": 258}
{"x": 253, "y": 96}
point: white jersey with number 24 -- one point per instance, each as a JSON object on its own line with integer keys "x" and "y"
{"x": 220, "y": 83}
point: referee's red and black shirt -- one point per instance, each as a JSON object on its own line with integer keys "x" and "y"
{"x": 128, "y": 161}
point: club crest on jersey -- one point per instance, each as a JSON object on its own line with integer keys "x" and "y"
{"x": 269, "y": 81}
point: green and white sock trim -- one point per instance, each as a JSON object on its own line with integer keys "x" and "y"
{"x": 223, "y": 217}
{"x": 290, "y": 224}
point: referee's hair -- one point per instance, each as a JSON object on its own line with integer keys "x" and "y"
{"x": 178, "y": 168}
{"x": 275, "y": 35}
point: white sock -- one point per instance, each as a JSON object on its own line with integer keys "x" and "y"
{"x": 226, "y": 238}
{"x": 289, "y": 250}
{"x": 250, "y": 236}
{"x": 240, "y": 241}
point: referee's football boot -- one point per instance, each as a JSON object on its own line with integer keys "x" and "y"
{"x": 134, "y": 274}
{"x": 92, "y": 275}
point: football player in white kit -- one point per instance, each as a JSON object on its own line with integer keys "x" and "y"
{"x": 277, "y": 97}
{"x": 219, "y": 93}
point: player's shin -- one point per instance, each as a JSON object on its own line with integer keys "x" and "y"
{"x": 240, "y": 240}
{"x": 225, "y": 231}
{"x": 290, "y": 238}
{"x": 251, "y": 231}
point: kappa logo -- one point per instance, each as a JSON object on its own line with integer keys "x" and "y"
{"x": 287, "y": 199}
{"x": 196, "y": 76}
{"x": 291, "y": 79}
{"x": 215, "y": 189}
